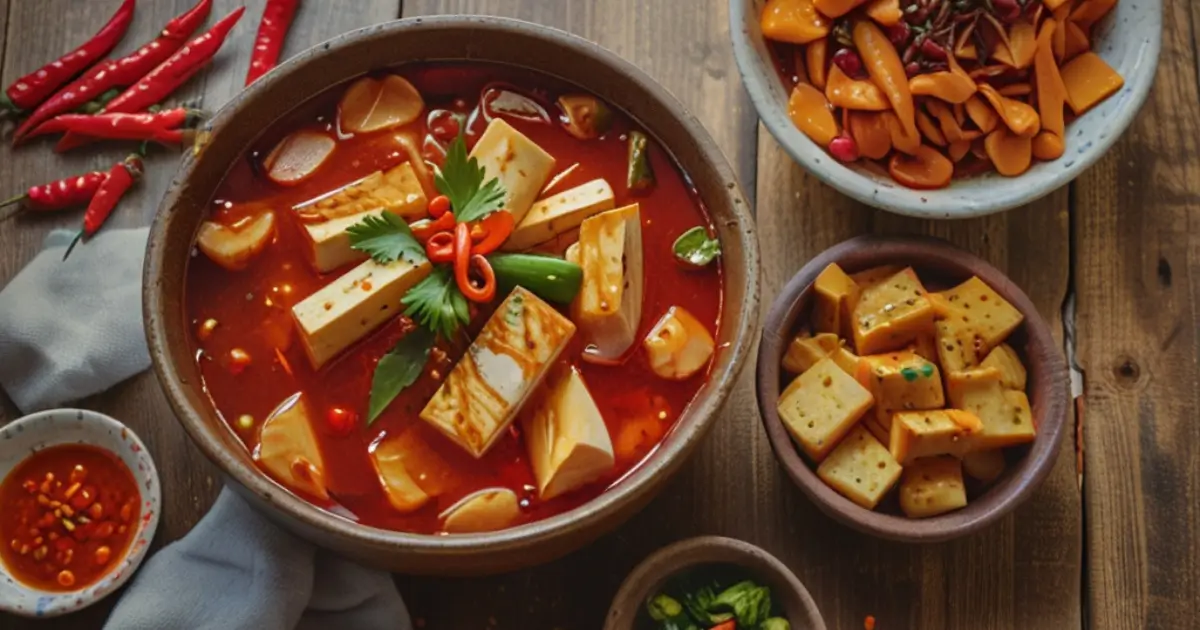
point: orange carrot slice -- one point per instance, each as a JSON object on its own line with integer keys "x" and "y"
{"x": 887, "y": 71}
{"x": 886, "y": 12}
{"x": 810, "y": 112}
{"x": 1054, "y": 4}
{"x": 842, "y": 91}
{"x": 1013, "y": 90}
{"x": 816, "y": 60}
{"x": 1090, "y": 11}
{"x": 964, "y": 48}
{"x": 870, "y": 131}
{"x": 946, "y": 122}
{"x": 930, "y": 129}
{"x": 960, "y": 114}
{"x": 1022, "y": 119}
{"x": 948, "y": 86}
{"x": 837, "y": 8}
{"x": 902, "y": 140}
{"x": 1088, "y": 81}
{"x": 982, "y": 114}
{"x": 1022, "y": 44}
{"x": 926, "y": 169}
{"x": 1010, "y": 154}
{"x": 1076, "y": 42}
{"x": 959, "y": 150}
{"x": 1048, "y": 146}
{"x": 793, "y": 21}
{"x": 1060, "y": 36}
{"x": 1051, "y": 92}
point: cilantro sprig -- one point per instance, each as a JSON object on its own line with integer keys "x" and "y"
{"x": 398, "y": 369}
{"x": 386, "y": 238}
{"x": 463, "y": 180}
{"x": 437, "y": 304}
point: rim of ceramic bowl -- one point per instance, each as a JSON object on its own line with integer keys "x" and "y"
{"x": 1048, "y": 389}
{"x": 673, "y": 559}
{"x": 82, "y": 426}
{"x": 693, "y": 425}
{"x": 976, "y": 196}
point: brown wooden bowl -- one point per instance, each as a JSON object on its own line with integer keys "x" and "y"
{"x": 939, "y": 265}
{"x": 351, "y": 55}
{"x": 645, "y": 580}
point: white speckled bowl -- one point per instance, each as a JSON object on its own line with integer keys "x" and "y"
{"x": 32, "y": 433}
{"x": 1128, "y": 39}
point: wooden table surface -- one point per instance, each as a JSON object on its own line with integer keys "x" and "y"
{"x": 1113, "y": 263}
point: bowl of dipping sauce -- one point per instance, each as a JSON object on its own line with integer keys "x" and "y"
{"x": 81, "y": 503}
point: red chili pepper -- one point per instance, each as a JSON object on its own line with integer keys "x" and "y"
{"x": 168, "y": 76}
{"x": 497, "y": 227}
{"x": 64, "y": 193}
{"x": 462, "y": 258}
{"x": 144, "y": 126}
{"x": 426, "y": 231}
{"x": 28, "y": 91}
{"x": 120, "y": 73}
{"x": 438, "y": 206}
{"x": 276, "y": 19}
{"x": 341, "y": 420}
{"x": 120, "y": 178}
{"x": 487, "y": 291}
{"x": 440, "y": 248}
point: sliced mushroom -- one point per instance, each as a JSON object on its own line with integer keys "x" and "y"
{"x": 371, "y": 104}
{"x": 298, "y": 156}
{"x": 679, "y": 345}
{"x": 484, "y": 511}
{"x": 234, "y": 246}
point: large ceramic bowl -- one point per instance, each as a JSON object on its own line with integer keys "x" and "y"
{"x": 445, "y": 38}
{"x": 1128, "y": 39}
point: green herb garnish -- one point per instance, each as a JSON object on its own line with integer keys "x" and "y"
{"x": 462, "y": 180}
{"x": 437, "y": 304}
{"x": 704, "y": 606}
{"x": 398, "y": 369}
{"x": 695, "y": 248}
{"x": 909, "y": 374}
{"x": 386, "y": 238}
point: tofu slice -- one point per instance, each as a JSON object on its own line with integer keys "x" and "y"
{"x": 821, "y": 406}
{"x": 559, "y": 214}
{"x": 836, "y": 294}
{"x": 805, "y": 351}
{"x": 1012, "y": 371}
{"x": 566, "y": 437}
{"x": 288, "y": 450}
{"x": 521, "y": 165}
{"x": 932, "y": 486}
{"x": 504, "y": 365}
{"x": 349, "y": 308}
{"x": 892, "y": 313}
{"x": 978, "y": 308}
{"x": 918, "y": 434}
{"x": 484, "y": 511}
{"x": 860, "y": 469}
{"x": 401, "y": 489}
{"x": 325, "y": 220}
{"x": 608, "y": 308}
{"x": 900, "y": 381}
{"x": 1006, "y": 415}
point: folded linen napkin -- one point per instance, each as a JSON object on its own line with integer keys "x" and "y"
{"x": 70, "y": 329}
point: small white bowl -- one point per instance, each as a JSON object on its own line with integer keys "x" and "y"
{"x": 1128, "y": 39}
{"x": 20, "y": 439}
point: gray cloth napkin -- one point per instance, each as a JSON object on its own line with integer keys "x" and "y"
{"x": 70, "y": 329}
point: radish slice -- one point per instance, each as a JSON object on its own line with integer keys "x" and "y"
{"x": 298, "y": 156}
{"x": 377, "y": 104}
{"x": 233, "y": 247}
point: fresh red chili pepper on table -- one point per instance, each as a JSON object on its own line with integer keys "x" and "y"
{"x": 30, "y": 90}
{"x": 144, "y": 126}
{"x": 57, "y": 195}
{"x": 120, "y": 179}
{"x": 496, "y": 227}
{"x": 168, "y": 76}
{"x": 272, "y": 30}
{"x": 120, "y": 73}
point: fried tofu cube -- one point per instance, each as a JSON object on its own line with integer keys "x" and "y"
{"x": 986, "y": 466}
{"x": 835, "y": 295}
{"x": 806, "y": 350}
{"x": 891, "y": 314}
{"x": 860, "y": 469}
{"x": 560, "y": 214}
{"x": 398, "y": 485}
{"x": 1006, "y": 415}
{"x": 925, "y": 346}
{"x": 918, "y": 434}
{"x": 566, "y": 437}
{"x": 932, "y": 486}
{"x": 608, "y": 308}
{"x": 518, "y": 162}
{"x": 874, "y": 275}
{"x": 956, "y": 347}
{"x": 976, "y": 307}
{"x": 484, "y": 511}
{"x": 900, "y": 381}
{"x": 871, "y": 423}
{"x": 821, "y": 406}
{"x": 1012, "y": 371}
{"x": 288, "y": 449}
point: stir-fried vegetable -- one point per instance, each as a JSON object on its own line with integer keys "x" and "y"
{"x": 585, "y": 116}
{"x": 694, "y": 248}
{"x": 641, "y": 174}
{"x": 744, "y": 605}
{"x": 549, "y": 278}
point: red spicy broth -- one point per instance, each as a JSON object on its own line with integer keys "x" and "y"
{"x": 251, "y": 308}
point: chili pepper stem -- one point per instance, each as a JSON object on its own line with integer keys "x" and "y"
{"x": 74, "y": 242}
{"x": 13, "y": 201}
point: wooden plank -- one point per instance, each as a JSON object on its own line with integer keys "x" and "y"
{"x": 40, "y": 31}
{"x": 1137, "y": 276}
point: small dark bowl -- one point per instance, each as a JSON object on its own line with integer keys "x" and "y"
{"x": 786, "y": 590}
{"x": 939, "y": 265}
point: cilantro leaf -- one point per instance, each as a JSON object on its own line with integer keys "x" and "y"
{"x": 437, "y": 304}
{"x": 386, "y": 238}
{"x": 462, "y": 180}
{"x": 398, "y": 369}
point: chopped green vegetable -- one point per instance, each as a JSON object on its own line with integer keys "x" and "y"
{"x": 641, "y": 175}
{"x": 587, "y": 117}
{"x": 663, "y": 607}
{"x": 385, "y": 237}
{"x": 695, "y": 248}
{"x": 398, "y": 369}
{"x": 749, "y": 603}
{"x": 775, "y": 623}
{"x": 462, "y": 180}
{"x": 437, "y": 304}
{"x": 549, "y": 278}
{"x": 704, "y": 605}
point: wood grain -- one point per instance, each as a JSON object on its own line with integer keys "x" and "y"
{"x": 1137, "y": 276}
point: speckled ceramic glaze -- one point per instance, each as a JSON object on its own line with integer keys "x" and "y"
{"x": 23, "y": 437}
{"x": 1129, "y": 39}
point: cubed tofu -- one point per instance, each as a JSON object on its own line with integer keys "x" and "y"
{"x": 1007, "y": 418}
{"x": 805, "y": 351}
{"x": 608, "y": 308}
{"x": 986, "y": 466}
{"x": 288, "y": 449}
{"x": 925, "y": 346}
{"x": 1012, "y": 371}
{"x": 956, "y": 347}
{"x": 560, "y": 214}
{"x": 860, "y": 468}
{"x": 917, "y": 434}
{"x": 874, "y": 275}
{"x": 678, "y": 346}
{"x": 566, "y": 437}
{"x": 978, "y": 308}
{"x": 347, "y": 309}
{"x": 521, "y": 165}
{"x": 900, "y": 381}
{"x": 821, "y": 406}
{"x": 932, "y": 486}
{"x": 483, "y": 511}
{"x": 325, "y": 220}
{"x": 399, "y": 487}
{"x": 835, "y": 295}
{"x": 891, "y": 314}
{"x": 502, "y": 367}
{"x": 872, "y": 424}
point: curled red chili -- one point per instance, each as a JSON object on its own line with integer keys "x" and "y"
{"x": 440, "y": 248}
{"x": 272, "y": 30}
{"x": 438, "y": 206}
{"x": 64, "y": 193}
{"x": 120, "y": 73}
{"x": 462, "y": 259}
{"x": 145, "y": 126}
{"x": 28, "y": 91}
{"x": 426, "y": 231}
{"x": 168, "y": 76}
{"x": 120, "y": 179}
{"x": 497, "y": 227}
{"x": 486, "y": 291}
